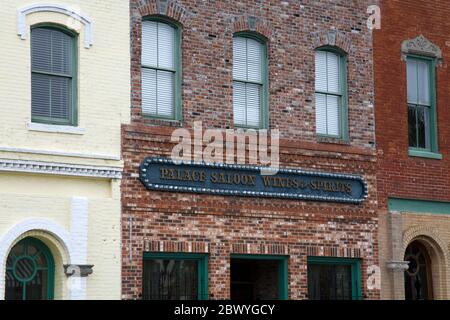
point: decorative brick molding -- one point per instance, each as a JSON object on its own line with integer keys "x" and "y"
{"x": 424, "y": 231}
{"x": 421, "y": 46}
{"x": 320, "y": 251}
{"x": 251, "y": 23}
{"x": 332, "y": 38}
{"x": 168, "y": 8}
{"x": 172, "y": 246}
{"x": 7, "y": 165}
{"x": 251, "y": 248}
{"x": 57, "y": 8}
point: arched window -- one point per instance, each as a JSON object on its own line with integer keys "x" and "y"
{"x": 53, "y": 76}
{"x": 331, "y": 94}
{"x": 161, "y": 69}
{"x": 29, "y": 271}
{"x": 418, "y": 278}
{"x": 250, "y": 81}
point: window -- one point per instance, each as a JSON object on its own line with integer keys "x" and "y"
{"x": 29, "y": 271}
{"x": 249, "y": 82}
{"x": 53, "y": 76}
{"x": 331, "y": 94}
{"x": 161, "y": 62}
{"x": 258, "y": 277}
{"x": 175, "y": 276}
{"x": 421, "y": 105}
{"x": 334, "y": 278}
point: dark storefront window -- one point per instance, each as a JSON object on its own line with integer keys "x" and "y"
{"x": 333, "y": 279}
{"x": 258, "y": 277}
{"x": 175, "y": 277}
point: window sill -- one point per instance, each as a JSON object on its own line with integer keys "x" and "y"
{"x": 332, "y": 140}
{"x": 425, "y": 154}
{"x": 51, "y": 128}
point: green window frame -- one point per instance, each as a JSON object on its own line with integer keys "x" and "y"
{"x": 342, "y": 94}
{"x": 264, "y": 83}
{"x": 72, "y": 119}
{"x": 355, "y": 265}
{"x": 431, "y": 134}
{"x": 283, "y": 272}
{"x": 202, "y": 267}
{"x": 176, "y": 70}
{"x": 43, "y": 252}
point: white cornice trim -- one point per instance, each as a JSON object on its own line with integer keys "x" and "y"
{"x": 65, "y": 169}
{"x": 58, "y": 8}
{"x": 60, "y": 153}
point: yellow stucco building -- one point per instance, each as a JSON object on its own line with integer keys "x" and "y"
{"x": 64, "y": 93}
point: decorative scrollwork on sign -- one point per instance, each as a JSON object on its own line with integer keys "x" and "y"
{"x": 421, "y": 46}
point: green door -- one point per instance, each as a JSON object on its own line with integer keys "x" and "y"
{"x": 30, "y": 271}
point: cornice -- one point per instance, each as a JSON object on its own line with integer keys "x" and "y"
{"x": 64, "y": 169}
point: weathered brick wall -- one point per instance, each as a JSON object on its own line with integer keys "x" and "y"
{"x": 398, "y": 174}
{"x": 161, "y": 221}
{"x": 294, "y": 29}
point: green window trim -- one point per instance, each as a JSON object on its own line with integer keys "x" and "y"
{"x": 420, "y": 153}
{"x": 202, "y": 267}
{"x": 343, "y": 121}
{"x": 418, "y": 206}
{"x": 178, "y": 110}
{"x": 433, "y": 151}
{"x": 264, "y": 112}
{"x": 73, "y": 112}
{"x": 50, "y": 263}
{"x": 282, "y": 270}
{"x": 355, "y": 270}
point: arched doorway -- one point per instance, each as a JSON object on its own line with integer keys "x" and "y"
{"x": 29, "y": 271}
{"x": 418, "y": 277}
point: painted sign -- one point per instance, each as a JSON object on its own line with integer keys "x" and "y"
{"x": 236, "y": 180}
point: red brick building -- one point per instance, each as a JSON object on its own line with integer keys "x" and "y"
{"x": 412, "y": 93}
{"x": 314, "y": 84}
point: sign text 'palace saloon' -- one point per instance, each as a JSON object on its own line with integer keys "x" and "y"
{"x": 235, "y": 180}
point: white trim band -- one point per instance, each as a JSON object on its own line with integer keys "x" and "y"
{"x": 59, "y": 153}
{"x": 41, "y": 127}
{"x": 58, "y": 8}
{"x": 64, "y": 169}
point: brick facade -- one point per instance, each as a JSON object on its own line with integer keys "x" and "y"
{"x": 218, "y": 225}
{"x": 400, "y": 175}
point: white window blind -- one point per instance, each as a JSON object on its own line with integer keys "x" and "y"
{"x": 247, "y": 81}
{"x": 328, "y": 93}
{"x": 158, "y": 69}
{"x": 51, "y": 78}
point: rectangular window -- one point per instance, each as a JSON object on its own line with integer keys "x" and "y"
{"x": 160, "y": 74}
{"x": 421, "y": 105}
{"x": 53, "y": 69}
{"x": 330, "y": 94}
{"x": 249, "y": 82}
{"x": 258, "y": 277}
{"x": 334, "y": 279}
{"x": 175, "y": 276}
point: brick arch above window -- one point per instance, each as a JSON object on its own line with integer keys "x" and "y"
{"x": 423, "y": 47}
{"x": 252, "y": 24}
{"x": 332, "y": 38}
{"x": 168, "y": 8}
